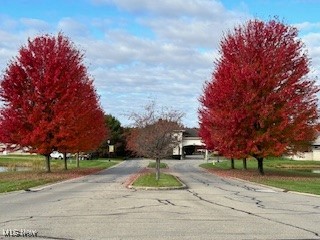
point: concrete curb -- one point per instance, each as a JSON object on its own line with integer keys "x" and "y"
{"x": 266, "y": 186}
{"x": 42, "y": 187}
{"x": 276, "y": 188}
{"x": 48, "y": 185}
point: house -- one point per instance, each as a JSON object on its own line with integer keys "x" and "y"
{"x": 313, "y": 154}
{"x": 189, "y": 143}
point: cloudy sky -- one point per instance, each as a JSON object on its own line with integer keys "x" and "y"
{"x": 143, "y": 50}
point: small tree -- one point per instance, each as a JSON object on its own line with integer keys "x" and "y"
{"x": 260, "y": 101}
{"x": 152, "y": 135}
{"x": 46, "y": 93}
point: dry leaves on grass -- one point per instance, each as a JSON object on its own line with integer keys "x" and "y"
{"x": 252, "y": 174}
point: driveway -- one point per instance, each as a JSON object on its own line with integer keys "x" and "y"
{"x": 101, "y": 207}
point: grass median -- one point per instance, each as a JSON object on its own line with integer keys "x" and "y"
{"x": 153, "y": 165}
{"x": 13, "y": 179}
{"x": 149, "y": 180}
{"x": 300, "y": 176}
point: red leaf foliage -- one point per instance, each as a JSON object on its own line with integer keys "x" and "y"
{"x": 50, "y": 101}
{"x": 260, "y": 101}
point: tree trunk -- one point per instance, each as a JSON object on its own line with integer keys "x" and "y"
{"x": 244, "y": 163}
{"x": 260, "y": 165}
{"x": 78, "y": 164}
{"x": 157, "y": 169}
{"x": 232, "y": 163}
{"x": 48, "y": 163}
{"x": 65, "y": 161}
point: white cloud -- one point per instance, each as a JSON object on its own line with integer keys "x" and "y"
{"x": 38, "y": 24}
{"x": 72, "y": 27}
{"x": 312, "y": 42}
{"x": 303, "y": 25}
{"x": 169, "y": 64}
{"x": 169, "y": 8}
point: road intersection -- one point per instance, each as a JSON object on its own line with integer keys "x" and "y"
{"x": 100, "y": 206}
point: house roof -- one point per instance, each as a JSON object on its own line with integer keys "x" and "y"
{"x": 191, "y": 132}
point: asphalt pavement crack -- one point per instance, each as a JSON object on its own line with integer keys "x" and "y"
{"x": 139, "y": 207}
{"x": 252, "y": 214}
{"x": 17, "y": 220}
{"x": 166, "y": 202}
{"x": 258, "y": 202}
{"x": 59, "y": 238}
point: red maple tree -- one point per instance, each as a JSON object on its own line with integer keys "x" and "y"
{"x": 83, "y": 128}
{"x": 49, "y": 99}
{"x": 260, "y": 101}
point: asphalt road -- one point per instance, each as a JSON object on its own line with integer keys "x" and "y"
{"x": 101, "y": 207}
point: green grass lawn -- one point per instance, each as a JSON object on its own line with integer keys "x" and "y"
{"x": 279, "y": 172}
{"x": 301, "y": 185}
{"x": 37, "y": 162}
{"x": 19, "y": 160}
{"x": 19, "y": 180}
{"x": 149, "y": 180}
{"x": 153, "y": 165}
